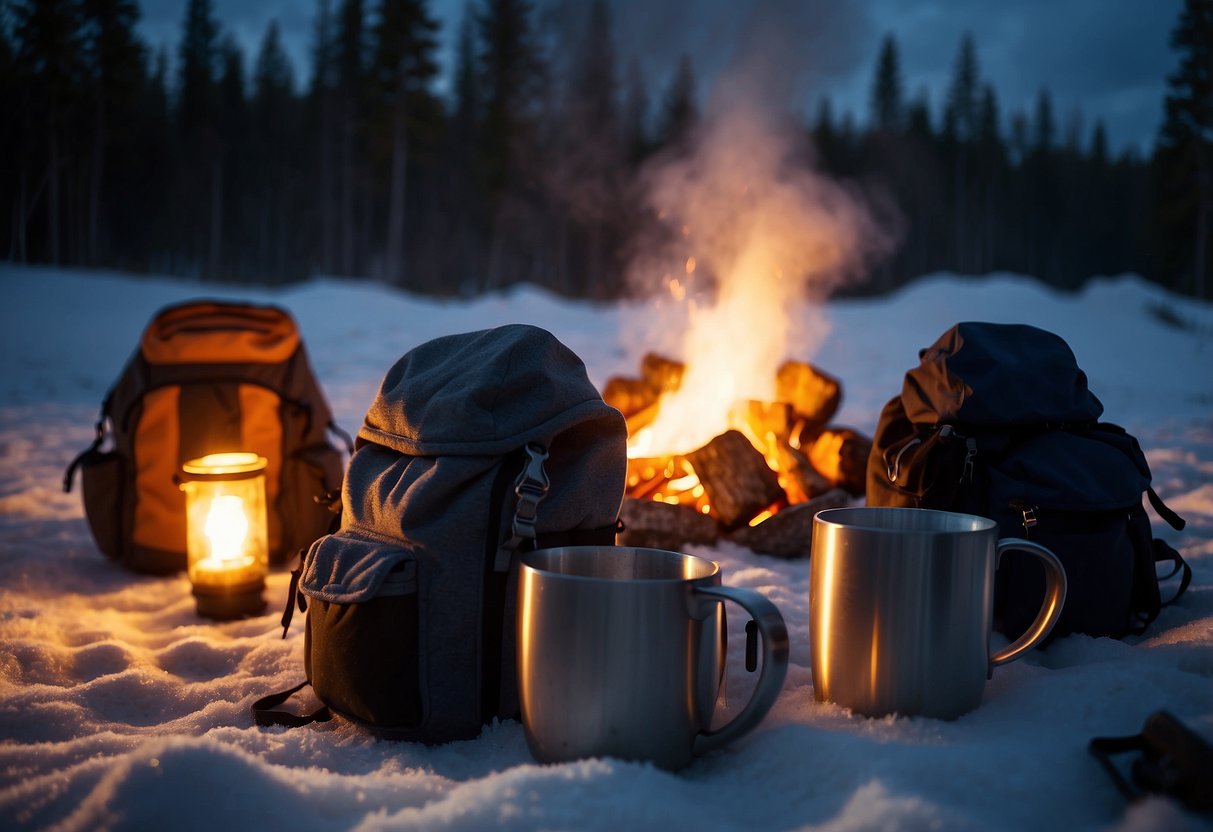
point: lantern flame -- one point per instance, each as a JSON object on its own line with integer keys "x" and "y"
{"x": 226, "y": 528}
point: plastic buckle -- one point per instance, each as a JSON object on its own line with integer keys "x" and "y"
{"x": 530, "y": 488}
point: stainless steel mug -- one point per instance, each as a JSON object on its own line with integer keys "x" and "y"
{"x": 901, "y": 608}
{"x": 621, "y": 653}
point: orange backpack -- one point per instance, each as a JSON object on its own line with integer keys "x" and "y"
{"x": 209, "y": 377}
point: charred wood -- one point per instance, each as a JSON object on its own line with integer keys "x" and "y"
{"x": 661, "y": 373}
{"x": 738, "y": 481}
{"x": 801, "y": 481}
{"x": 841, "y": 455}
{"x": 658, "y": 525}
{"x": 813, "y": 394}
{"x": 789, "y": 533}
{"x": 629, "y": 395}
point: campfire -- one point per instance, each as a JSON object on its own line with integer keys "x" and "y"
{"x": 758, "y": 482}
{"x": 748, "y": 241}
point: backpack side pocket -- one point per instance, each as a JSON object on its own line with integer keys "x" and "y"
{"x": 102, "y": 484}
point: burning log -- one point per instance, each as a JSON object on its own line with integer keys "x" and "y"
{"x": 765, "y": 418}
{"x": 669, "y": 480}
{"x": 841, "y": 455}
{"x": 660, "y": 373}
{"x": 637, "y": 398}
{"x": 659, "y": 525}
{"x": 814, "y": 395}
{"x": 629, "y": 395}
{"x": 801, "y": 481}
{"x": 738, "y": 481}
{"x": 789, "y": 533}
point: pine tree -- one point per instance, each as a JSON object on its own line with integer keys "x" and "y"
{"x": 323, "y": 97}
{"x": 10, "y": 141}
{"x": 464, "y": 202}
{"x": 114, "y": 59}
{"x": 1044, "y": 197}
{"x": 962, "y": 112}
{"x": 1184, "y": 155}
{"x": 636, "y": 137}
{"x": 588, "y": 174}
{"x": 962, "y": 126}
{"x": 228, "y": 239}
{"x": 888, "y": 109}
{"x": 199, "y": 165}
{"x": 274, "y": 165}
{"x": 404, "y": 66}
{"x": 351, "y": 70}
{"x": 48, "y": 56}
{"x": 512, "y": 77}
{"x": 679, "y": 112}
{"x": 1044, "y": 127}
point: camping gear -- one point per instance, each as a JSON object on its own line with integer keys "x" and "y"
{"x": 621, "y": 653}
{"x": 208, "y": 377}
{"x": 225, "y": 523}
{"x": 900, "y": 604}
{"x": 997, "y": 420}
{"x": 478, "y": 446}
{"x": 1173, "y": 760}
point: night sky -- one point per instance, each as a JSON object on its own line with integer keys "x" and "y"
{"x": 1105, "y": 59}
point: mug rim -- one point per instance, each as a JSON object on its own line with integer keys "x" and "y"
{"x": 826, "y": 517}
{"x": 526, "y": 558}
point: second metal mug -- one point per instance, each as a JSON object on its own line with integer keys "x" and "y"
{"x": 901, "y": 609}
{"x": 621, "y": 653}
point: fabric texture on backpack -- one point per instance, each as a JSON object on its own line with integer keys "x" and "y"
{"x": 410, "y": 604}
{"x": 209, "y": 377}
{"x": 997, "y": 420}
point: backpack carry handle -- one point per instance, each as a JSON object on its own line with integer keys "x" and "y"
{"x": 1050, "y": 609}
{"x": 774, "y": 634}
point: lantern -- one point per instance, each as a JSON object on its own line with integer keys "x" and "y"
{"x": 226, "y": 539}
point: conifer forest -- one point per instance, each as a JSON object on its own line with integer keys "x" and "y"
{"x": 213, "y": 164}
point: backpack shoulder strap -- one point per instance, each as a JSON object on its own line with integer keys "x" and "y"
{"x": 1164, "y": 553}
{"x": 98, "y": 439}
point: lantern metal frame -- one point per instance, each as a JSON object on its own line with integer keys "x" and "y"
{"x": 240, "y": 595}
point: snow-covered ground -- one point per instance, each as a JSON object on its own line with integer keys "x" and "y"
{"x": 120, "y": 709}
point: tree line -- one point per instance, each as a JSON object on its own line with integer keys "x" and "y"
{"x": 526, "y": 167}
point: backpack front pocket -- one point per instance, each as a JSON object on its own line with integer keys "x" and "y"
{"x": 362, "y": 642}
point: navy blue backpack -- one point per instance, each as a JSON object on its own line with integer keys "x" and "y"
{"x": 997, "y": 421}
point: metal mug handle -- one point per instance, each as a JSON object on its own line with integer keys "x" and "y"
{"x": 774, "y": 664}
{"x": 1050, "y": 609}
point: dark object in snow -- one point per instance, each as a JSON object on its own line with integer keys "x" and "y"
{"x": 209, "y": 377}
{"x": 477, "y": 447}
{"x": 1173, "y": 761}
{"x": 997, "y": 421}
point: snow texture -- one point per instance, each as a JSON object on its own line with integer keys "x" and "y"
{"x": 121, "y": 709}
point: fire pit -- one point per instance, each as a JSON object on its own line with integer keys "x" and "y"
{"x": 758, "y": 482}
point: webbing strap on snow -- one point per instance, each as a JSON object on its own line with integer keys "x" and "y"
{"x": 265, "y": 715}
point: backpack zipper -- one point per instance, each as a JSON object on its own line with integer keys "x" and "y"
{"x": 966, "y": 473}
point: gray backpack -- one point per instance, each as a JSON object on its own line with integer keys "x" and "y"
{"x": 477, "y": 447}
